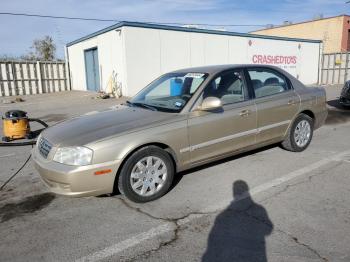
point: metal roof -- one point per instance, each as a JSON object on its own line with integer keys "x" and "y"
{"x": 186, "y": 29}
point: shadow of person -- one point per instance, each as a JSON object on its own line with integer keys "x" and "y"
{"x": 239, "y": 231}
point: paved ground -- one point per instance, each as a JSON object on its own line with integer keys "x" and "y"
{"x": 296, "y": 207}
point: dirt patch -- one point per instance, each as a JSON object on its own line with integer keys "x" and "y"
{"x": 28, "y": 205}
{"x": 53, "y": 117}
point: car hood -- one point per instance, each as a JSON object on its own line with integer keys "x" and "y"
{"x": 100, "y": 125}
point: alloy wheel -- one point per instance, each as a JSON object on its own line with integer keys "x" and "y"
{"x": 302, "y": 133}
{"x": 148, "y": 176}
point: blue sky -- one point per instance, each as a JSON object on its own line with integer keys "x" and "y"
{"x": 17, "y": 33}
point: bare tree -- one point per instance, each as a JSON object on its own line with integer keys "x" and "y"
{"x": 42, "y": 49}
{"x": 5, "y": 57}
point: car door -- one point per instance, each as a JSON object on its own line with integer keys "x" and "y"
{"x": 276, "y": 103}
{"x": 218, "y": 132}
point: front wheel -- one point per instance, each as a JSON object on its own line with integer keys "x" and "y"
{"x": 299, "y": 134}
{"x": 146, "y": 175}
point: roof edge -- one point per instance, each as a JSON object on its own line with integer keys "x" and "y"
{"x": 299, "y": 23}
{"x": 185, "y": 29}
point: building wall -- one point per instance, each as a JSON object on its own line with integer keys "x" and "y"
{"x": 332, "y": 31}
{"x": 345, "y": 43}
{"x": 152, "y": 52}
{"x": 110, "y": 56}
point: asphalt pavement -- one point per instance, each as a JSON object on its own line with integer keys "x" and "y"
{"x": 265, "y": 205}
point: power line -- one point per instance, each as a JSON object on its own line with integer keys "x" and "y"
{"x": 223, "y": 25}
{"x": 114, "y": 20}
{"x": 59, "y": 17}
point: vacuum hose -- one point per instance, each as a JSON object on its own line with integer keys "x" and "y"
{"x": 39, "y": 121}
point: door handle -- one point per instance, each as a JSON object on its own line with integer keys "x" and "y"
{"x": 244, "y": 113}
{"x": 291, "y": 102}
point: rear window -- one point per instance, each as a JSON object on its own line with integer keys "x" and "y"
{"x": 267, "y": 82}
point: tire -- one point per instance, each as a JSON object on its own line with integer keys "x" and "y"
{"x": 148, "y": 169}
{"x": 291, "y": 142}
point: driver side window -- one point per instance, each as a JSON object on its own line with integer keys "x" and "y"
{"x": 228, "y": 86}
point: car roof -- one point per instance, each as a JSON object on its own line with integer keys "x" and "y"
{"x": 213, "y": 69}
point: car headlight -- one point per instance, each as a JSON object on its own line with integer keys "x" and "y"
{"x": 75, "y": 156}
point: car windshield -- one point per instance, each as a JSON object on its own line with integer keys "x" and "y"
{"x": 170, "y": 92}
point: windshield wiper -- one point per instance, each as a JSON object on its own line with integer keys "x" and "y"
{"x": 146, "y": 106}
{"x": 141, "y": 105}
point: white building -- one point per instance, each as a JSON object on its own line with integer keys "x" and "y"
{"x": 138, "y": 53}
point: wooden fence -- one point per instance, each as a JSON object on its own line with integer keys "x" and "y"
{"x": 335, "y": 68}
{"x": 28, "y": 78}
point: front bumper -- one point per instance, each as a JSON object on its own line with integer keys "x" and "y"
{"x": 76, "y": 181}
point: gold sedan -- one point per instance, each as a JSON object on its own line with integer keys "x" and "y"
{"x": 181, "y": 120}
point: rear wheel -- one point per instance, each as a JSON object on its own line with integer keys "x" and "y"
{"x": 146, "y": 175}
{"x": 299, "y": 134}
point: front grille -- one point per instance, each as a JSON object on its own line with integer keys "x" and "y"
{"x": 44, "y": 147}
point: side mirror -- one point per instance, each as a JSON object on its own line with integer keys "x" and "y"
{"x": 210, "y": 103}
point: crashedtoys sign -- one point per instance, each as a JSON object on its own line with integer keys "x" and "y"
{"x": 274, "y": 59}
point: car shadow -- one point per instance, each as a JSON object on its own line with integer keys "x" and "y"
{"x": 239, "y": 232}
{"x": 337, "y": 113}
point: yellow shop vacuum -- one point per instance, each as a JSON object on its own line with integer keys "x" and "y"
{"x": 16, "y": 126}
